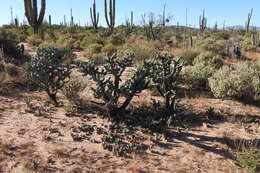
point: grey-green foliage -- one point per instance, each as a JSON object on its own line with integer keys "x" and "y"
{"x": 197, "y": 75}
{"x": 209, "y": 59}
{"x": 48, "y": 72}
{"x": 165, "y": 73}
{"x": 241, "y": 82}
{"x": 72, "y": 90}
{"x": 109, "y": 85}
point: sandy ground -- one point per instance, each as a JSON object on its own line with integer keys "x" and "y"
{"x": 42, "y": 141}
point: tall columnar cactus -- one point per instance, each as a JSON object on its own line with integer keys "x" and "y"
{"x": 130, "y": 22}
{"x": 94, "y": 16}
{"x": 203, "y": 22}
{"x": 16, "y": 22}
{"x": 249, "y": 17}
{"x": 71, "y": 18}
{"x": 50, "y": 20}
{"x": 31, "y": 13}
{"x": 111, "y": 15}
{"x": 163, "y": 16}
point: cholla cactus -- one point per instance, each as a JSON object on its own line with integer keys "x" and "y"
{"x": 109, "y": 81}
{"x": 48, "y": 72}
{"x": 164, "y": 76}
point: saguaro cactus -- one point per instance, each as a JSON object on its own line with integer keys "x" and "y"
{"x": 130, "y": 22}
{"x": 71, "y": 18}
{"x": 31, "y": 13}
{"x": 111, "y": 15}
{"x": 49, "y": 20}
{"x": 94, "y": 16}
{"x": 203, "y": 22}
{"x": 163, "y": 16}
{"x": 249, "y": 20}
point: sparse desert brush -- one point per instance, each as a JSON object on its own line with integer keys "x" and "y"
{"x": 95, "y": 48}
{"x": 247, "y": 45}
{"x": 12, "y": 70}
{"x": 241, "y": 82}
{"x": 212, "y": 45}
{"x": 188, "y": 55}
{"x": 117, "y": 39}
{"x": 72, "y": 90}
{"x": 34, "y": 40}
{"x": 209, "y": 59}
{"x": 91, "y": 39}
{"x": 109, "y": 49}
{"x": 197, "y": 75}
{"x": 98, "y": 58}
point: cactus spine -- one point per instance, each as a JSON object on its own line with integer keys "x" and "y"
{"x": 203, "y": 22}
{"x": 249, "y": 17}
{"x": 31, "y": 13}
{"x": 94, "y": 16}
{"x": 111, "y": 15}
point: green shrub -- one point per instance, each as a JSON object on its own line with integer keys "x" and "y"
{"x": 197, "y": 75}
{"x": 188, "y": 56}
{"x": 209, "y": 59}
{"x": 48, "y": 72}
{"x": 117, "y": 40}
{"x": 65, "y": 53}
{"x": 212, "y": 45}
{"x": 95, "y": 48}
{"x": 98, "y": 58}
{"x": 249, "y": 159}
{"x": 109, "y": 49}
{"x": 72, "y": 89}
{"x": 11, "y": 53}
{"x": 91, "y": 39}
{"x": 34, "y": 40}
{"x": 241, "y": 82}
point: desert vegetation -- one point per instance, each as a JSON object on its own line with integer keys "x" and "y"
{"x": 136, "y": 97}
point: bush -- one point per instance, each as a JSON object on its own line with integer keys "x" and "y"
{"x": 34, "y": 40}
{"x": 92, "y": 39}
{"x": 12, "y": 70}
{"x": 97, "y": 58}
{"x": 108, "y": 81}
{"x": 117, "y": 40}
{"x": 197, "y": 75}
{"x": 109, "y": 49}
{"x": 48, "y": 72}
{"x": 65, "y": 53}
{"x": 241, "y": 82}
{"x": 95, "y": 48}
{"x": 188, "y": 56}
{"x": 212, "y": 45}
{"x": 72, "y": 89}
{"x": 11, "y": 53}
{"x": 209, "y": 59}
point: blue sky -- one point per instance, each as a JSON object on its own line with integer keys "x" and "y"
{"x": 234, "y": 12}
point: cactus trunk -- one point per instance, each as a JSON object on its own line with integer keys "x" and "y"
{"x": 110, "y": 16}
{"x": 31, "y": 13}
{"x": 94, "y": 16}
